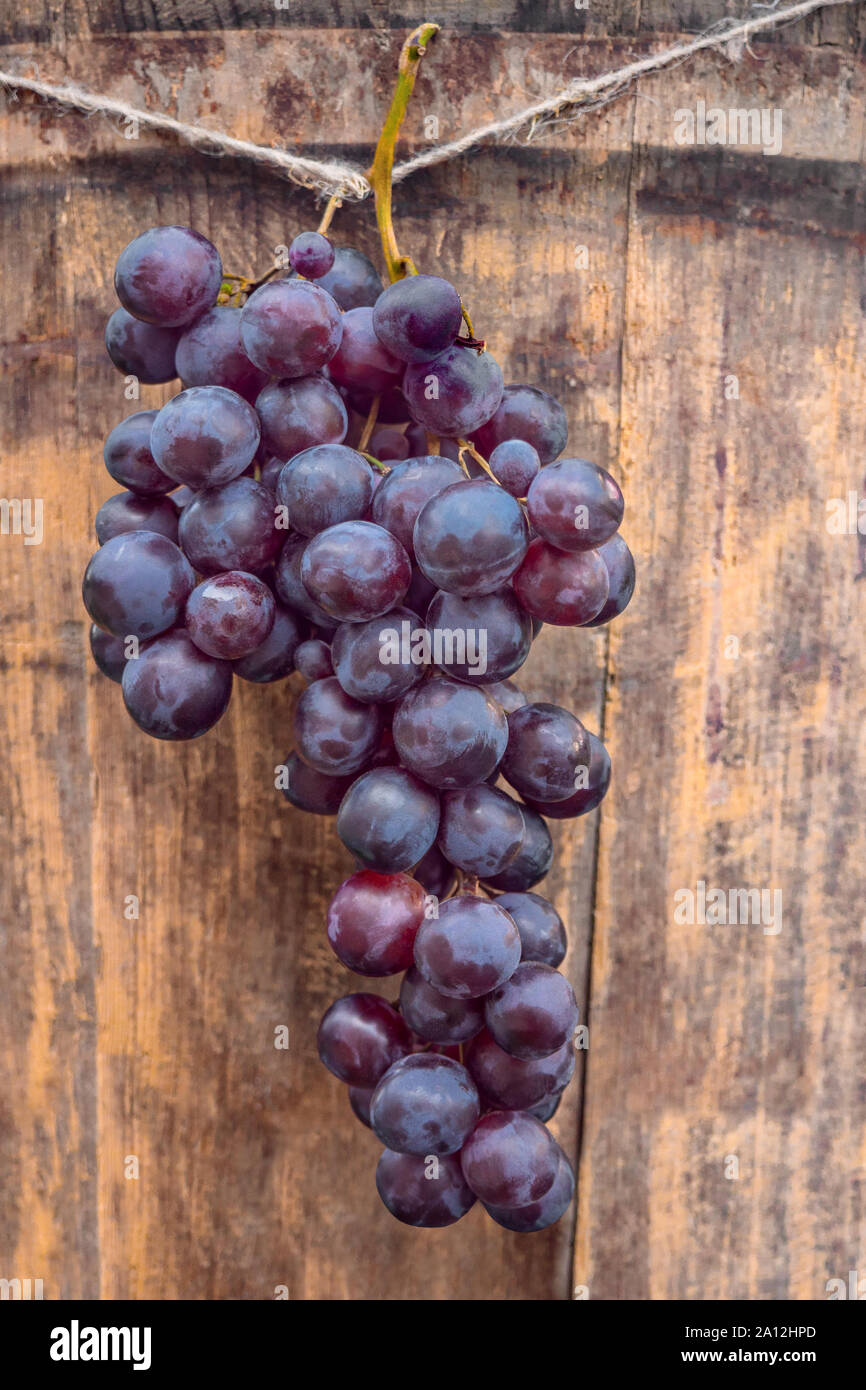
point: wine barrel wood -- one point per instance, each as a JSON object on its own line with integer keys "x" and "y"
{"x": 698, "y": 310}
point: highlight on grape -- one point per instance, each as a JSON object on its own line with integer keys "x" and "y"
{"x": 308, "y": 502}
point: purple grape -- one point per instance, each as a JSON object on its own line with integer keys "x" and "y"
{"x": 438, "y": 1018}
{"x": 141, "y": 349}
{"x": 392, "y": 410}
{"x": 510, "y": 1159}
{"x": 290, "y": 587}
{"x": 359, "y": 1099}
{"x": 481, "y": 829}
{"x": 355, "y": 571}
{"x": 409, "y": 485}
{"x": 542, "y": 935}
{"x": 296, "y": 415}
{"x": 323, "y": 486}
{"x": 137, "y": 584}
{"x": 211, "y": 353}
{"x": 353, "y": 280}
{"x": 369, "y": 660}
{"x": 389, "y": 446}
{"x": 619, "y": 563}
{"x": 469, "y": 949}
{"x": 386, "y": 754}
{"x": 372, "y": 922}
{"x": 168, "y": 276}
{"x": 546, "y": 1109}
{"x": 205, "y": 436}
{"x": 182, "y": 496}
{"x": 270, "y": 471}
{"x": 470, "y": 538}
{"x": 455, "y": 393}
{"x": 537, "y": 1216}
{"x": 128, "y": 456}
{"x": 514, "y": 464}
{"x": 275, "y": 657}
{"x": 508, "y": 1083}
{"x": 388, "y": 819}
{"x": 548, "y": 752}
{"x": 361, "y": 363}
{"x": 450, "y": 734}
{"x": 108, "y": 653}
{"x": 311, "y": 254}
{"x": 126, "y": 511}
{"x": 450, "y": 449}
{"x": 424, "y": 1104}
{"x": 532, "y": 860}
{"x": 575, "y": 505}
{"x": 418, "y": 318}
{"x": 231, "y": 528}
{"x": 507, "y": 694}
{"x": 434, "y": 873}
{"x": 494, "y": 628}
{"x": 313, "y": 660}
{"x": 290, "y": 328}
{"x": 360, "y": 1037}
{"x": 173, "y": 690}
{"x": 334, "y": 733}
{"x": 416, "y": 438}
{"x": 531, "y": 415}
{"x": 314, "y": 791}
{"x": 424, "y": 1193}
{"x": 532, "y": 1014}
{"x": 230, "y": 615}
{"x": 564, "y": 589}
{"x": 420, "y": 593}
{"x": 584, "y": 798}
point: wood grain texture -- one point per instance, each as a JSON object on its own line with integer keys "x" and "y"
{"x": 35, "y": 21}
{"x": 154, "y": 1038}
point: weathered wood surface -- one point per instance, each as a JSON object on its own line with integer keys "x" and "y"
{"x": 155, "y": 1038}
{"x": 35, "y": 21}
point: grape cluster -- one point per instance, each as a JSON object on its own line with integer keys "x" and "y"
{"x": 346, "y": 487}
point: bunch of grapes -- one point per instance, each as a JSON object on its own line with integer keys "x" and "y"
{"x": 346, "y": 487}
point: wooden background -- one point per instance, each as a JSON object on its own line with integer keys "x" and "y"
{"x": 155, "y": 1038}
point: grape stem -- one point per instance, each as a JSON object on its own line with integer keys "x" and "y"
{"x": 380, "y": 170}
{"x": 238, "y": 294}
{"x": 492, "y": 892}
{"x": 471, "y": 340}
{"x": 456, "y": 887}
{"x": 334, "y": 202}
{"x": 372, "y": 416}
{"x": 379, "y": 466}
{"x": 466, "y": 448}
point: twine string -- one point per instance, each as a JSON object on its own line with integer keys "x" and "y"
{"x": 594, "y": 92}
{"x": 337, "y": 177}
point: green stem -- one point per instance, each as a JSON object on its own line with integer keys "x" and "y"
{"x": 380, "y": 171}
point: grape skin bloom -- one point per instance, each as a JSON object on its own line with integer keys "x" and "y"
{"x": 291, "y": 328}
{"x": 205, "y": 436}
{"x": 455, "y": 393}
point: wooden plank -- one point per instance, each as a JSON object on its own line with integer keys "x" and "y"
{"x": 48, "y": 1023}
{"x": 468, "y": 77}
{"x": 724, "y": 1123}
{"x": 34, "y": 21}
